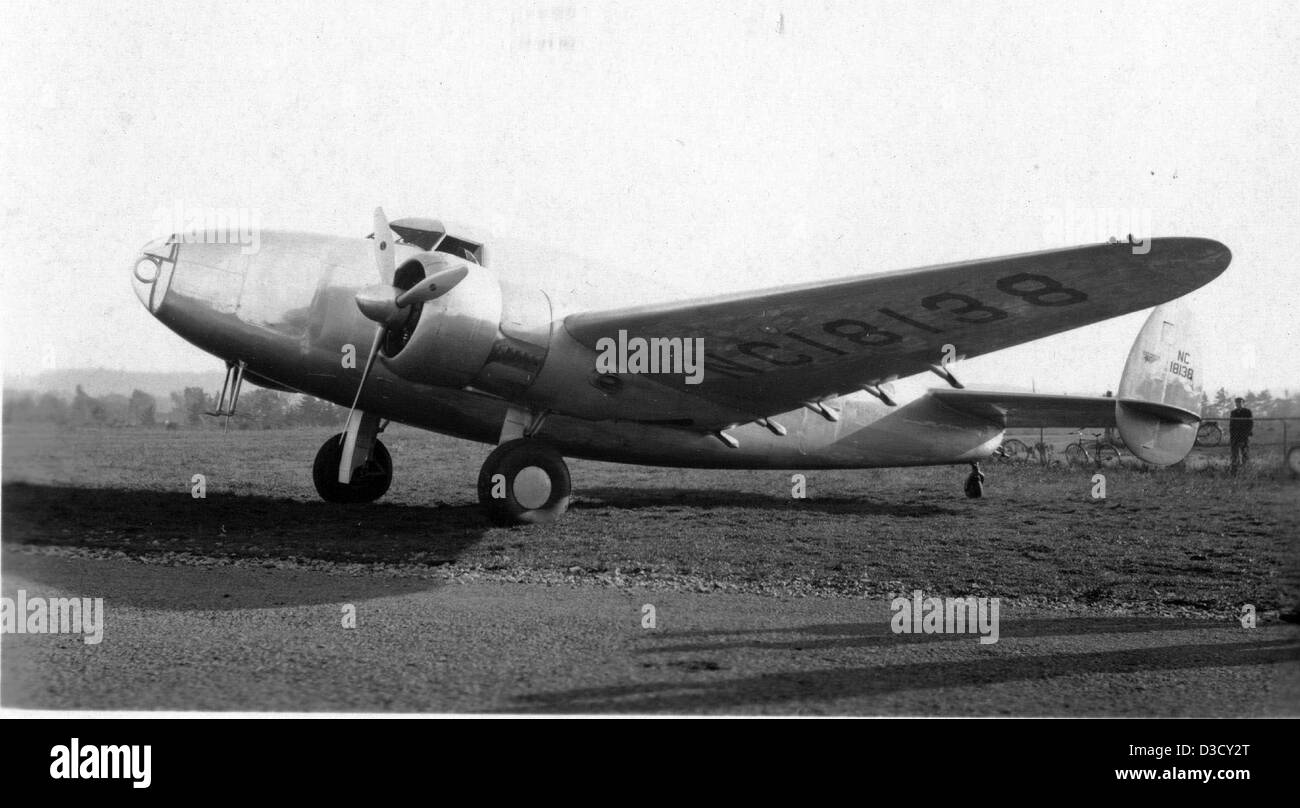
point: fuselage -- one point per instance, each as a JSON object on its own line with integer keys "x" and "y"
{"x": 288, "y": 312}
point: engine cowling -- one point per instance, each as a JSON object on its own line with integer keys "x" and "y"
{"x": 447, "y": 341}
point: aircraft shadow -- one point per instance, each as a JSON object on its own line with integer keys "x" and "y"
{"x": 826, "y": 636}
{"x": 152, "y": 523}
{"x": 632, "y": 498}
{"x": 207, "y": 587}
{"x": 798, "y": 687}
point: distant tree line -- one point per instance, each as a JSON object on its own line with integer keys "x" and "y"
{"x": 258, "y": 409}
{"x": 1261, "y": 405}
{"x": 270, "y": 409}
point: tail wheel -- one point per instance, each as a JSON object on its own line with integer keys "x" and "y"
{"x": 524, "y": 481}
{"x": 1107, "y": 455}
{"x": 369, "y": 483}
{"x": 1074, "y": 454}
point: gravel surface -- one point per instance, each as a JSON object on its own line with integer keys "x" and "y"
{"x": 198, "y": 634}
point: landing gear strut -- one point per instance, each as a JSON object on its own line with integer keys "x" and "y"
{"x": 369, "y": 481}
{"x": 975, "y": 482}
{"x": 524, "y": 481}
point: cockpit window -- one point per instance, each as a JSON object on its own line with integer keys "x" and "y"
{"x": 429, "y": 234}
{"x": 461, "y": 248}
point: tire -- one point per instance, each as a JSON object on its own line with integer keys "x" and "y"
{"x": 1074, "y": 455}
{"x": 1209, "y": 434}
{"x": 1014, "y": 451}
{"x": 369, "y": 483}
{"x": 1293, "y": 461}
{"x": 534, "y": 484}
{"x": 1107, "y": 455}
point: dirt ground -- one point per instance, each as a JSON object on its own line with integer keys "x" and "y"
{"x": 764, "y": 603}
{"x": 1165, "y": 542}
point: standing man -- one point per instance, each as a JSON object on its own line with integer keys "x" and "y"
{"x": 1240, "y": 428}
{"x": 1110, "y": 430}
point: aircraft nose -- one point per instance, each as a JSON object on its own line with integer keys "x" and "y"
{"x": 147, "y": 276}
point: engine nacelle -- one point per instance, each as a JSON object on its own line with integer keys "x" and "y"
{"x": 448, "y": 340}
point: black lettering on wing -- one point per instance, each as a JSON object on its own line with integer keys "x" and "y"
{"x": 727, "y": 367}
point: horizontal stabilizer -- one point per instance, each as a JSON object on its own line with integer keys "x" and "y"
{"x": 1164, "y": 412}
{"x": 1156, "y": 411}
{"x": 1023, "y": 410}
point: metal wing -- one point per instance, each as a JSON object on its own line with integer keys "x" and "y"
{"x": 769, "y": 351}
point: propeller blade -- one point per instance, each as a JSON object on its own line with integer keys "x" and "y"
{"x": 379, "y": 304}
{"x": 380, "y": 333}
{"x": 432, "y": 287}
{"x": 384, "y": 257}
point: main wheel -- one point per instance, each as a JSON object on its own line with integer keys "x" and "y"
{"x": 524, "y": 481}
{"x": 369, "y": 483}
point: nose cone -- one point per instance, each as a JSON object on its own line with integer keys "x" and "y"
{"x": 143, "y": 275}
{"x": 147, "y": 271}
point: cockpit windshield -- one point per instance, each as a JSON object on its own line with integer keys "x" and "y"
{"x": 461, "y": 249}
{"x": 430, "y": 234}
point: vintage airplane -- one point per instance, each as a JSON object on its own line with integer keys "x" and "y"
{"x": 797, "y": 377}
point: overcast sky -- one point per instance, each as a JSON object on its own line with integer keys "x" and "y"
{"x": 686, "y": 149}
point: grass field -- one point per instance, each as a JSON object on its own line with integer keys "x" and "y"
{"x": 1171, "y": 541}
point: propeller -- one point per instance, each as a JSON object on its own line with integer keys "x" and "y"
{"x": 384, "y": 257}
{"x": 391, "y": 307}
{"x": 432, "y": 287}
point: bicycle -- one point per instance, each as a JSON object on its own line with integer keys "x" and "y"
{"x": 1208, "y": 434}
{"x": 1103, "y": 452}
